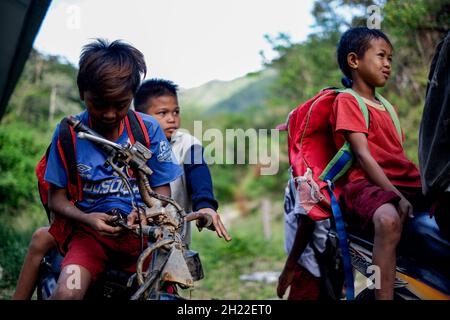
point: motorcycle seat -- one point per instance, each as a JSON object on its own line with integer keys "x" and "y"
{"x": 422, "y": 240}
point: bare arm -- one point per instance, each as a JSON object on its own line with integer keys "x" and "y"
{"x": 164, "y": 190}
{"x": 358, "y": 143}
{"x": 302, "y": 238}
{"x": 303, "y": 235}
{"x": 60, "y": 205}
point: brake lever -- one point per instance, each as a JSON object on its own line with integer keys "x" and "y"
{"x": 95, "y": 139}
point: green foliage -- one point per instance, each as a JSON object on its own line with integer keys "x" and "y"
{"x": 12, "y": 252}
{"x": 206, "y": 96}
{"x": 248, "y": 252}
{"x": 429, "y": 15}
{"x": 414, "y": 29}
{"x": 15, "y": 234}
{"x": 47, "y": 90}
{"x": 19, "y": 154}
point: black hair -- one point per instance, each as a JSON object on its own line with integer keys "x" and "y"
{"x": 356, "y": 40}
{"x": 109, "y": 69}
{"x": 153, "y": 88}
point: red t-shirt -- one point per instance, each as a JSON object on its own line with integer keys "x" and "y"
{"x": 383, "y": 141}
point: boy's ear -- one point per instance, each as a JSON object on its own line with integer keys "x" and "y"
{"x": 352, "y": 60}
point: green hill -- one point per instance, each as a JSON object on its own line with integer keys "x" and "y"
{"x": 228, "y": 96}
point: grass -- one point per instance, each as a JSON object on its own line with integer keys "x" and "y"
{"x": 222, "y": 262}
{"x": 248, "y": 252}
{"x": 15, "y": 234}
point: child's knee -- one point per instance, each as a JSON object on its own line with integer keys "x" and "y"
{"x": 64, "y": 293}
{"x": 387, "y": 221}
{"x": 73, "y": 282}
{"x": 41, "y": 241}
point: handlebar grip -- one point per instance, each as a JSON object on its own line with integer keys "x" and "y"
{"x": 206, "y": 219}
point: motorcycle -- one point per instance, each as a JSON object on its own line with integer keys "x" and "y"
{"x": 171, "y": 265}
{"x": 423, "y": 261}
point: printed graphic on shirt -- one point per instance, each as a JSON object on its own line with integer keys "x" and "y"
{"x": 165, "y": 152}
{"x": 114, "y": 186}
{"x": 84, "y": 170}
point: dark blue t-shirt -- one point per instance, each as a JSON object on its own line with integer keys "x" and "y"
{"x": 103, "y": 189}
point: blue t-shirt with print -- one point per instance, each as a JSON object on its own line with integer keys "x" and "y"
{"x": 103, "y": 189}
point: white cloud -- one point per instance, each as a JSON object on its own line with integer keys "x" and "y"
{"x": 189, "y": 42}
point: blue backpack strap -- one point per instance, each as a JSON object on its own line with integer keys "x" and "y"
{"x": 343, "y": 243}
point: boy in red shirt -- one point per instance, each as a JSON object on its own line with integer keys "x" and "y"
{"x": 382, "y": 181}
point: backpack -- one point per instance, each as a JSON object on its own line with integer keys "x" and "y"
{"x": 313, "y": 156}
{"x": 60, "y": 227}
{"x": 317, "y": 167}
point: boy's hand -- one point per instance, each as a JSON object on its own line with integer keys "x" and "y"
{"x": 99, "y": 222}
{"x": 133, "y": 217}
{"x": 217, "y": 224}
{"x": 285, "y": 279}
{"x": 405, "y": 209}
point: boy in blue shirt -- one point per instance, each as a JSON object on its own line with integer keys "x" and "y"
{"x": 109, "y": 75}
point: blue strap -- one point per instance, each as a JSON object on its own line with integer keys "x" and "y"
{"x": 337, "y": 169}
{"x": 348, "y": 269}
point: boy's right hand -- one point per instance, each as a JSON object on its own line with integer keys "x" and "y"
{"x": 99, "y": 221}
{"x": 405, "y": 209}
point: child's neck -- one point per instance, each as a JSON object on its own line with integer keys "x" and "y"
{"x": 364, "y": 90}
{"x": 110, "y": 134}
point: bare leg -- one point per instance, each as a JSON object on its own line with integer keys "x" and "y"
{"x": 388, "y": 228}
{"x": 40, "y": 244}
{"x": 73, "y": 283}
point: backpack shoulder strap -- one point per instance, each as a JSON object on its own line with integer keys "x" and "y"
{"x": 67, "y": 151}
{"x": 136, "y": 128}
{"x": 392, "y": 113}
{"x": 361, "y": 103}
{"x": 343, "y": 159}
{"x": 386, "y": 104}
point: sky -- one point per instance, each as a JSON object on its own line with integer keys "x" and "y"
{"x": 189, "y": 42}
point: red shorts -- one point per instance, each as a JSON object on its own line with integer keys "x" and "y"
{"x": 94, "y": 252}
{"x": 360, "y": 199}
{"x": 304, "y": 286}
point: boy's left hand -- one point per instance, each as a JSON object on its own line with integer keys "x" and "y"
{"x": 217, "y": 222}
{"x": 133, "y": 217}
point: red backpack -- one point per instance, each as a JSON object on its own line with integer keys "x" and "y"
{"x": 317, "y": 165}
{"x": 61, "y": 227}
{"x": 313, "y": 155}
